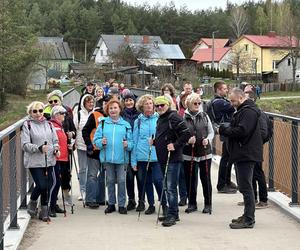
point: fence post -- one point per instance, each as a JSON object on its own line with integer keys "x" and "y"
{"x": 1, "y": 200}
{"x": 13, "y": 182}
{"x": 271, "y": 161}
{"x": 295, "y": 149}
{"x": 23, "y": 182}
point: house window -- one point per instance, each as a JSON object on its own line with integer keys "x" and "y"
{"x": 101, "y": 52}
{"x": 246, "y": 47}
{"x": 207, "y": 66}
{"x": 289, "y": 61}
{"x": 275, "y": 65}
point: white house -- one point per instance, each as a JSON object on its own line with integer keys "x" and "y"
{"x": 285, "y": 70}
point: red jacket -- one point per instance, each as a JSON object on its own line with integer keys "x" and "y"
{"x": 62, "y": 140}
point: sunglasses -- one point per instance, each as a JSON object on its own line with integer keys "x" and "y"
{"x": 53, "y": 101}
{"x": 34, "y": 111}
{"x": 197, "y": 103}
{"x": 159, "y": 105}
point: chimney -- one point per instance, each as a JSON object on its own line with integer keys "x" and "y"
{"x": 272, "y": 34}
{"x": 146, "y": 39}
{"x": 126, "y": 39}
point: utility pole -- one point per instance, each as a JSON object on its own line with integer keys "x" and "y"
{"x": 213, "y": 50}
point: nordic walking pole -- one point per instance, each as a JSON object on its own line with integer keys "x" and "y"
{"x": 208, "y": 180}
{"x": 105, "y": 177}
{"x": 145, "y": 179}
{"x": 47, "y": 180}
{"x": 191, "y": 172}
{"x": 164, "y": 186}
{"x": 78, "y": 178}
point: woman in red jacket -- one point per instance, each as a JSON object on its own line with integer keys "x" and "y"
{"x": 61, "y": 169}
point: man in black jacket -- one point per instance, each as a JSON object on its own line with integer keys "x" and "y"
{"x": 172, "y": 134}
{"x": 245, "y": 149}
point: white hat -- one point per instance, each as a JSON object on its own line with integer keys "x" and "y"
{"x": 57, "y": 93}
{"x": 57, "y": 109}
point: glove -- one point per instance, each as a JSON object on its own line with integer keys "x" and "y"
{"x": 90, "y": 150}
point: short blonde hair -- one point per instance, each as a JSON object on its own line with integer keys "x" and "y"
{"x": 191, "y": 98}
{"x": 141, "y": 101}
{"x": 34, "y": 105}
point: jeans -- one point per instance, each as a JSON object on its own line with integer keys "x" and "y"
{"x": 259, "y": 177}
{"x": 192, "y": 181}
{"x": 56, "y": 184}
{"x": 130, "y": 182}
{"x": 170, "y": 186}
{"x": 182, "y": 183}
{"x": 92, "y": 179}
{"x": 82, "y": 163}
{"x": 43, "y": 184}
{"x": 116, "y": 173}
{"x": 244, "y": 171}
{"x": 154, "y": 176}
{"x": 224, "y": 175}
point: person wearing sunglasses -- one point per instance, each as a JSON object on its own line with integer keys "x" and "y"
{"x": 172, "y": 134}
{"x": 197, "y": 154}
{"x": 40, "y": 145}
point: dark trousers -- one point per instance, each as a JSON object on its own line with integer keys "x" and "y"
{"x": 244, "y": 171}
{"x": 259, "y": 177}
{"x": 191, "y": 180}
{"x": 43, "y": 180}
{"x": 65, "y": 172}
{"x": 56, "y": 184}
{"x": 224, "y": 175}
{"x": 130, "y": 182}
{"x": 182, "y": 184}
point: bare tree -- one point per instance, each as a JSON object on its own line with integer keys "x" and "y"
{"x": 238, "y": 21}
{"x": 239, "y": 59}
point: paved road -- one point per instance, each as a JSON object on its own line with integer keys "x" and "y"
{"x": 279, "y": 97}
{"x": 91, "y": 229}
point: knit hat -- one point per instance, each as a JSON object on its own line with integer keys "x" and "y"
{"x": 57, "y": 109}
{"x": 113, "y": 91}
{"x": 130, "y": 95}
{"x": 57, "y": 93}
{"x": 162, "y": 100}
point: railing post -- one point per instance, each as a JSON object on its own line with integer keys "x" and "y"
{"x": 295, "y": 149}
{"x": 13, "y": 182}
{"x": 1, "y": 200}
{"x": 23, "y": 182}
{"x": 271, "y": 161}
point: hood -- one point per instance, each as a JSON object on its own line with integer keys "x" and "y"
{"x": 187, "y": 113}
{"x": 82, "y": 101}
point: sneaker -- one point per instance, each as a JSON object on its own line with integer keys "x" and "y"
{"x": 92, "y": 205}
{"x": 122, "y": 210}
{"x": 241, "y": 224}
{"x": 232, "y": 185}
{"x": 227, "y": 190}
{"x": 239, "y": 219}
{"x": 32, "y": 209}
{"x": 207, "y": 209}
{"x": 241, "y": 203}
{"x": 52, "y": 212}
{"x": 163, "y": 218}
{"x": 168, "y": 222}
{"x": 182, "y": 202}
{"x": 110, "y": 209}
{"x": 190, "y": 209}
{"x": 58, "y": 210}
{"x": 261, "y": 204}
{"x": 131, "y": 205}
{"x": 44, "y": 214}
{"x": 140, "y": 207}
{"x": 150, "y": 210}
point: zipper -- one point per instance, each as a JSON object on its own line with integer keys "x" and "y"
{"x": 113, "y": 143}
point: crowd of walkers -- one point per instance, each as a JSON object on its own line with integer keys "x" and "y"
{"x": 157, "y": 143}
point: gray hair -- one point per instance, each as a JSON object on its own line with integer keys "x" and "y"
{"x": 34, "y": 105}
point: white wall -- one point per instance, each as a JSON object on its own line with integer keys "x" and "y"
{"x": 104, "y": 58}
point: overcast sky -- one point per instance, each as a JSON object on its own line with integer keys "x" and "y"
{"x": 191, "y": 4}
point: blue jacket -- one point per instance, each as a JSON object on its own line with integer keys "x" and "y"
{"x": 114, "y": 151}
{"x": 144, "y": 128}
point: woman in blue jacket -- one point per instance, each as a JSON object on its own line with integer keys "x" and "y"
{"x": 143, "y": 133}
{"x": 114, "y": 139}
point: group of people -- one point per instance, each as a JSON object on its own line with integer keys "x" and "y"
{"x": 161, "y": 142}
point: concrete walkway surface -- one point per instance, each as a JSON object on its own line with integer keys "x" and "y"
{"x": 91, "y": 229}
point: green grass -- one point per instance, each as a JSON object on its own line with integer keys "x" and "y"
{"x": 280, "y": 93}
{"x": 289, "y": 107}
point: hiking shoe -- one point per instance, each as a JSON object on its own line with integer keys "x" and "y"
{"x": 168, "y": 222}
{"x": 131, "y": 205}
{"x": 207, "y": 209}
{"x": 92, "y": 205}
{"x": 241, "y": 203}
{"x": 58, "y": 210}
{"x": 227, "y": 190}
{"x": 150, "y": 210}
{"x": 122, "y": 210}
{"x": 140, "y": 207}
{"x": 261, "y": 204}
{"x": 238, "y": 219}
{"x": 232, "y": 185}
{"x": 110, "y": 209}
{"x": 190, "y": 209}
{"x": 43, "y": 215}
{"x": 32, "y": 209}
{"x": 241, "y": 224}
{"x": 182, "y": 202}
{"x": 52, "y": 212}
{"x": 163, "y": 218}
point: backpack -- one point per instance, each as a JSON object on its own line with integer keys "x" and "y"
{"x": 211, "y": 114}
{"x": 266, "y": 127}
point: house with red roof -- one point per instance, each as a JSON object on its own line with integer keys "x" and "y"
{"x": 260, "y": 54}
{"x": 206, "y": 43}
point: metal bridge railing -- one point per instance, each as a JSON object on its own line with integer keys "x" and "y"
{"x": 15, "y": 182}
{"x": 281, "y": 156}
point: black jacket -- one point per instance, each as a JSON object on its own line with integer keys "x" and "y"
{"x": 244, "y": 136}
{"x": 86, "y": 133}
{"x": 130, "y": 115}
{"x": 198, "y": 126}
{"x": 223, "y": 109}
{"x": 170, "y": 129}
